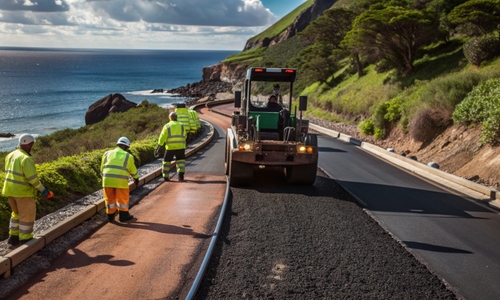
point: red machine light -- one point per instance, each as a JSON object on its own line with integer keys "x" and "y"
{"x": 259, "y": 70}
{"x": 289, "y": 71}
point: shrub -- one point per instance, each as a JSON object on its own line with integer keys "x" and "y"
{"x": 427, "y": 124}
{"x": 482, "y": 106}
{"x": 367, "y": 127}
{"x": 481, "y": 48}
{"x": 379, "y": 133}
{"x": 379, "y": 115}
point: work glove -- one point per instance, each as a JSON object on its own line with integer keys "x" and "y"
{"x": 157, "y": 151}
{"x": 47, "y": 194}
{"x": 136, "y": 181}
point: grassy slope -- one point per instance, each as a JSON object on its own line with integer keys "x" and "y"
{"x": 279, "y": 27}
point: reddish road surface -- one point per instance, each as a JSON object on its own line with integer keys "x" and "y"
{"x": 146, "y": 258}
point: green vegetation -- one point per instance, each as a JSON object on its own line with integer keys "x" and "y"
{"x": 389, "y": 63}
{"x": 68, "y": 161}
{"x": 482, "y": 106}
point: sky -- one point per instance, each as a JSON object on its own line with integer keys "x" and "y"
{"x": 138, "y": 24}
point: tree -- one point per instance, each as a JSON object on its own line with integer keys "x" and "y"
{"x": 318, "y": 63}
{"x": 395, "y": 33}
{"x": 329, "y": 30}
{"x": 482, "y": 15}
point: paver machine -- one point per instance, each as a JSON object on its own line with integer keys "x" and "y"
{"x": 262, "y": 136}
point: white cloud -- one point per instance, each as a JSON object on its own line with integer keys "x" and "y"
{"x": 176, "y": 24}
{"x": 187, "y": 12}
{"x": 36, "y": 6}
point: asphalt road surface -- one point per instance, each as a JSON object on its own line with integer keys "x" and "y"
{"x": 456, "y": 237}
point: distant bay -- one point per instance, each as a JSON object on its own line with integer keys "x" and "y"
{"x": 44, "y": 90}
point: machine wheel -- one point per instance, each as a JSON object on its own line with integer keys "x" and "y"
{"x": 311, "y": 140}
{"x": 240, "y": 174}
{"x": 302, "y": 174}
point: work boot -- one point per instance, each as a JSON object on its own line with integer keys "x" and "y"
{"x": 166, "y": 178}
{"x": 111, "y": 217}
{"x": 181, "y": 176}
{"x": 125, "y": 216}
{"x": 13, "y": 240}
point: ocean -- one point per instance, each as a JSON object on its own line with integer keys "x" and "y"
{"x": 44, "y": 90}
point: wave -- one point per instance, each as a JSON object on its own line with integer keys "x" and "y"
{"x": 150, "y": 93}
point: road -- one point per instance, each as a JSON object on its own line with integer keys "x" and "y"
{"x": 458, "y": 238}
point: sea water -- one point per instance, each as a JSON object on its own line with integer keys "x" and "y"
{"x": 45, "y": 90}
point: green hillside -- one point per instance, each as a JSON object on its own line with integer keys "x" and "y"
{"x": 382, "y": 64}
{"x": 280, "y": 27}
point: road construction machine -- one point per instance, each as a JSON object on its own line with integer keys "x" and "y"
{"x": 270, "y": 135}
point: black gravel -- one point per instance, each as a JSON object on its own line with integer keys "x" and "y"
{"x": 289, "y": 242}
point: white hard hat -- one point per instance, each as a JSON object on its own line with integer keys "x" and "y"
{"x": 123, "y": 141}
{"x": 26, "y": 139}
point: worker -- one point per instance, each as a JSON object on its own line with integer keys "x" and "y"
{"x": 116, "y": 167}
{"x": 20, "y": 185}
{"x": 173, "y": 137}
{"x": 183, "y": 115}
{"x": 273, "y": 104}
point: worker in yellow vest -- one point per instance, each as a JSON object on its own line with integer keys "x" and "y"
{"x": 173, "y": 137}
{"x": 116, "y": 167}
{"x": 20, "y": 185}
{"x": 183, "y": 116}
{"x": 196, "y": 120}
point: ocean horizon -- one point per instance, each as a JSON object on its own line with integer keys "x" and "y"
{"x": 43, "y": 90}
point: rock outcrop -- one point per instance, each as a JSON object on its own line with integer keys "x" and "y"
{"x": 202, "y": 89}
{"x": 6, "y": 135}
{"x": 107, "y": 105}
{"x": 224, "y": 72}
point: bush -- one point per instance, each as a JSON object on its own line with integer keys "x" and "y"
{"x": 379, "y": 133}
{"x": 482, "y": 106}
{"x": 481, "y": 48}
{"x": 367, "y": 127}
{"x": 427, "y": 124}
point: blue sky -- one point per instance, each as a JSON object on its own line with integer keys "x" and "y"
{"x": 138, "y": 24}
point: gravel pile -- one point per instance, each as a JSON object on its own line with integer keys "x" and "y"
{"x": 290, "y": 242}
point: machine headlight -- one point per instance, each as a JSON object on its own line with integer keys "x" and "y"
{"x": 245, "y": 147}
{"x": 305, "y": 149}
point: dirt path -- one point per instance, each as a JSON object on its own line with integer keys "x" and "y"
{"x": 144, "y": 259}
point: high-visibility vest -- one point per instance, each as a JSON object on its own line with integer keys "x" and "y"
{"x": 183, "y": 117}
{"x": 196, "y": 118}
{"x": 192, "y": 122}
{"x": 173, "y": 136}
{"x": 21, "y": 178}
{"x": 116, "y": 167}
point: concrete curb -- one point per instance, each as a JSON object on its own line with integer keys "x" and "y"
{"x": 467, "y": 187}
{"x": 18, "y": 255}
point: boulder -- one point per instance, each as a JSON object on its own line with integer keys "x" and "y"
{"x": 109, "y": 104}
